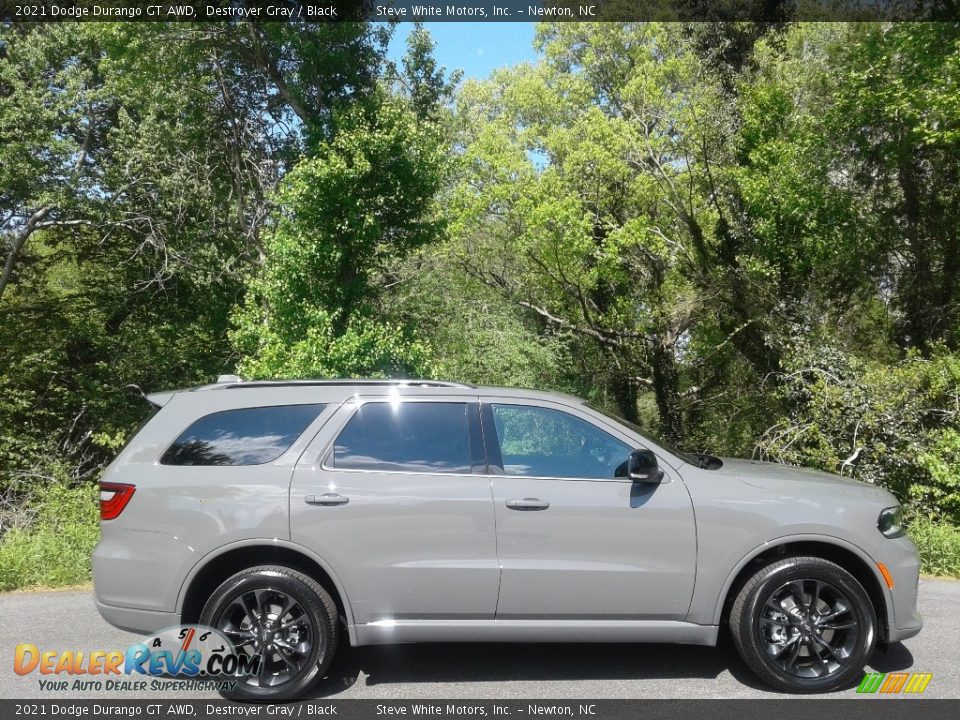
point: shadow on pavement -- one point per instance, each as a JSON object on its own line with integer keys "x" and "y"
{"x": 896, "y": 657}
{"x": 499, "y": 662}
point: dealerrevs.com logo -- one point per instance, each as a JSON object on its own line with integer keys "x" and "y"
{"x": 894, "y": 683}
{"x": 193, "y": 655}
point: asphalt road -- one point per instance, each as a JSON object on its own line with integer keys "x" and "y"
{"x": 68, "y": 621}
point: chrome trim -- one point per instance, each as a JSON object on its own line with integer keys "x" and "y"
{"x": 492, "y": 476}
{"x": 385, "y": 632}
{"x": 357, "y": 402}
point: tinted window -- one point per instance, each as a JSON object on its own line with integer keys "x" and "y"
{"x": 537, "y": 441}
{"x": 250, "y": 436}
{"x": 410, "y": 436}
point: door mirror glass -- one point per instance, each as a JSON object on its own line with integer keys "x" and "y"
{"x": 642, "y": 467}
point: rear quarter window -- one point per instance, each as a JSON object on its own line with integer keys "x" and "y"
{"x": 247, "y": 436}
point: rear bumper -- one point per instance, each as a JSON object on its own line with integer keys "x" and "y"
{"x": 136, "y": 620}
{"x": 139, "y": 569}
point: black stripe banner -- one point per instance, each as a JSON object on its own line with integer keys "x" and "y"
{"x": 477, "y": 10}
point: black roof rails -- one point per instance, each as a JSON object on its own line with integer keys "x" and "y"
{"x": 372, "y": 382}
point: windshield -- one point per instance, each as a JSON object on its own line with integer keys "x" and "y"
{"x": 653, "y": 439}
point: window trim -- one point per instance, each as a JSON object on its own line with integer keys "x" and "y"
{"x": 324, "y": 409}
{"x": 471, "y": 402}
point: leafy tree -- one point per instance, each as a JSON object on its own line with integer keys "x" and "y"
{"x": 136, "y": 169}
{"x": 901, "y": 417}
{"x": 897, "y": 121}
{"x": 594, "y": 217}
{"x": 360, "y": 201}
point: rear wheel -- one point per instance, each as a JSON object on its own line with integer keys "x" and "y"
{"x": 804, "y": 625}
{"x": 282, "y": 617}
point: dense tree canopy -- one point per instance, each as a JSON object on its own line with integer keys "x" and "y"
{"x": 743, "y": 236}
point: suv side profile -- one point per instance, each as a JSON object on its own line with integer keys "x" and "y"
{"x": 288, "y": 514}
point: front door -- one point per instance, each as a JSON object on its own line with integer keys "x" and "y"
{"x": 399, "y": 505}
{"x": 577, "y": 540}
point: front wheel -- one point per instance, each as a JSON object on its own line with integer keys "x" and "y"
{"x": 283, "y": 618}
{"x": 804, "y": 625}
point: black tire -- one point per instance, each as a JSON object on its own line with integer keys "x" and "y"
{"x": 309, "y": 643}
{"x": 828, "y": 646}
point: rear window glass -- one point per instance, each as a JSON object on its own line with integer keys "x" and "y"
{"x": 406, "y": 436}
{"x": 248, "y": 436}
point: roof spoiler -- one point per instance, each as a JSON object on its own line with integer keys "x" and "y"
{"x": 158, "y": 400}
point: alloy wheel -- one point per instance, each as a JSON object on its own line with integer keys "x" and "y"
{"x": 808, "y": 628}
{"x": 272, "y": 625}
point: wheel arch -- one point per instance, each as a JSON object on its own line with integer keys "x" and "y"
{"x": 216, "y": 567}
{"x": 851, "y": 558}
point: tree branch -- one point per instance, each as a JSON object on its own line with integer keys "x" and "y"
{"x": 560, "y": 322}
{"x": 269, "y": 66}
{"x": 19, "y": 240}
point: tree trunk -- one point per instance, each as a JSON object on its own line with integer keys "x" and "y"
{"x": 19, "y": 240}
{"x": 625, "y": 393}
{"x": 666, "y": 388}
{"x": 738, "y": 318}
{"x": 917, "y": 284}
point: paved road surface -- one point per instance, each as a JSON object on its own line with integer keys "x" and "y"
{"x": 68, "y": 621}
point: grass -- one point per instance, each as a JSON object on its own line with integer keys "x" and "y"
{"x": 939, "y": 545}
{"x": 55, "y": 551}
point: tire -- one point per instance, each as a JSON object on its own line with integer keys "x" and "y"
{"x": 303, "y": 633}
{"x": 772, "y": 623}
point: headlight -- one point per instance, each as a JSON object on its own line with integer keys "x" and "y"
{"x": 890, "y": 522}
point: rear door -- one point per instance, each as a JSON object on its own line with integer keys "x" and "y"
{"x": 576, "y": 538}
{"x": 396, "y": 499}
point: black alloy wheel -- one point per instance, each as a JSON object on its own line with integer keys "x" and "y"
{"x": 285, "y": 620}
{"x": 272, "y": 626}
{"x": 808, "y": 628}
{"x": 804, "y": 625}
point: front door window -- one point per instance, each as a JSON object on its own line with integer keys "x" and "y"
{"x": 541, "y": 442}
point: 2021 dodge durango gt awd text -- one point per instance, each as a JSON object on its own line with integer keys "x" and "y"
{"x": 288, "y": 514}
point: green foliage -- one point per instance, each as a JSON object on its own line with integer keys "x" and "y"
{"x": 135, "y": 167}
{"x": 897, "y": 114}
{"x": 361, "y": 201}
{"x": 362, "y": 348}
{"x": 55, "y": 549}
{"x": 427, "y": 86}
{"x": 474, "y": 334}
{"x": 939, "y": 546}
{"x": 747, "y": 235}
{"x": 904, "y": 417}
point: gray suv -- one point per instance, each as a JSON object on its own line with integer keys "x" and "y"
{"x": 288, "y": 514}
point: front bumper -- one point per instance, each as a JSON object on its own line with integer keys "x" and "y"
{"x": 902, "y": 560}
{"x": 899, "y": 634}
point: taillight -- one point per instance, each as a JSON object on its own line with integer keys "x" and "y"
{"x": 114, "y": 498}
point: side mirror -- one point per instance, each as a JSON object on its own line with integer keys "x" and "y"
{"x": 642, "y": 467}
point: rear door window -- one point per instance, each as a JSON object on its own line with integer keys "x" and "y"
{"x": 421, "y": 437}
{"x": 247, "y": 436}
